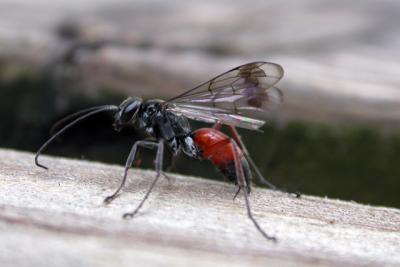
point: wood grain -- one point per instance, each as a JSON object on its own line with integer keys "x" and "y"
{"x": 56, "y": 218}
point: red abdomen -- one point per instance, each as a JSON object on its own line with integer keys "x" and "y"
{"x": 214, "y": 146}
{"x": 219, "y": 149}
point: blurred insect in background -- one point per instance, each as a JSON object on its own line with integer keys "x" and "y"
{"x": 239, "y": 97}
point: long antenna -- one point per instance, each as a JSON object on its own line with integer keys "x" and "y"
{"x": 98, "y": 110}
{"x": 58, "y": 123}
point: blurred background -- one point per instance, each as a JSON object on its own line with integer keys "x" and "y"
{"x": 337, "y": 134}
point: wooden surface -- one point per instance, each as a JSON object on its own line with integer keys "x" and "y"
{"x": 341, "y": 60}
{"x": 56, "y": 218}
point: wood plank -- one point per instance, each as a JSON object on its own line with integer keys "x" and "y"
{"x": 56, "y": 218}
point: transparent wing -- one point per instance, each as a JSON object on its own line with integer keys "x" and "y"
{"x": 240, "y": 97}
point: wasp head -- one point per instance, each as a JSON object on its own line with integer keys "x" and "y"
{"x": 127, "y": 113}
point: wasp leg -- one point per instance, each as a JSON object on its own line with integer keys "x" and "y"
{"x": 158, "y": 164}
{"x": 169, "y": 179}
{"x": 138, "y": 158}
{"x": 172, "y": 165}
{"x": 170, "y": 168}
{"x": 128, "y": 164}
{"x": 243, "y": 185}
{"x": 217, "y": 126}
{"x": 235, "y": 135}
{"x": 138, "y": 161}
{"x": 237, "y": 193}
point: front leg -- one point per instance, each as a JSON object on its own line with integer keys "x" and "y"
{"x": 158, "y": 165}
{"x": 128, "y": 164}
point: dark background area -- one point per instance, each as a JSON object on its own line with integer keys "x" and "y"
{"x": 337, "y": 133}
{"x": 348, "y": 162}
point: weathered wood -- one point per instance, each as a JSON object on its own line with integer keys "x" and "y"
{"x": 341, "y": 60}
{"x": 56, "y": 218}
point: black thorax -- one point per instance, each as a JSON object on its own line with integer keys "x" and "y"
{"x": 164, "y": 125}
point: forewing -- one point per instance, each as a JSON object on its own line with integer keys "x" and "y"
{"x": 239, "y": 97}
{"x": 214, "y": 115}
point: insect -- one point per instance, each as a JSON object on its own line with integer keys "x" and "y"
{"x": 239, "y": 97}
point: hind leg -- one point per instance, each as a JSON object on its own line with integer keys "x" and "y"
{"x": 235, "y": 135}
{"x": 243, "y": 185}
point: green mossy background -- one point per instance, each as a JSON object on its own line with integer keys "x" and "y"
{"x": 347, "y": 162}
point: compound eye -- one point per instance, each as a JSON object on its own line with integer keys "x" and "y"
{"x": 129, "y": 112}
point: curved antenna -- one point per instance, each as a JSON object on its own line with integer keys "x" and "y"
{"x": 98, "y": 110}
{"x": 58, "y": 123}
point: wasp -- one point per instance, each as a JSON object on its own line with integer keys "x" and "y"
{"x": 240, "y": 97}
